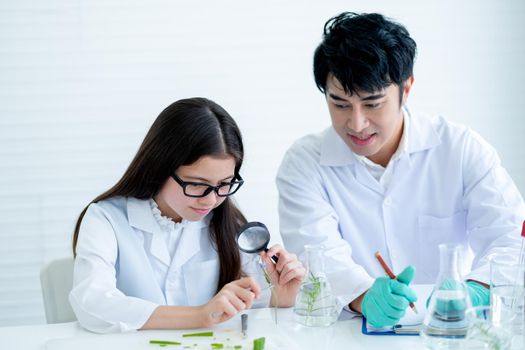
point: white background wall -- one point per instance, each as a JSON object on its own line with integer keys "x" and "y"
{"x": 81, "y": 82}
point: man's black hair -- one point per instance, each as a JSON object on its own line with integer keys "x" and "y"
{"x": 365, "y": 52}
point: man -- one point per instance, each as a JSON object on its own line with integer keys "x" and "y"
{"x": 382, "y": 178}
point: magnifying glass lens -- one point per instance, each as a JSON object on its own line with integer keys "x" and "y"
{"x": 254, "y": 238}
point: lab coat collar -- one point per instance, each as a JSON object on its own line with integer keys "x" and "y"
{"x": 420, "y": 135}
{"x": 334, "y": 151}
{"x": 141, "y": 217}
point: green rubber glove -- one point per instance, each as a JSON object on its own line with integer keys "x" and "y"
{"x": 386, "y": 301}
{"x": 479, "y": 295}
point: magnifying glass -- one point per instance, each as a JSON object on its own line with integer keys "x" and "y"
{"x": 254, "y": 238}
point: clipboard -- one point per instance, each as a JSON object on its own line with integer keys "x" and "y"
{"x": 395, "y": 330}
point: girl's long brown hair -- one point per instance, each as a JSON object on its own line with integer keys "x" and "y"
{"x": 185, "y": 131}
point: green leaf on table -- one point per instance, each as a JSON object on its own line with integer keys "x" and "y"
{"x": 164, "y": 342}
{"x": 258, "y": 344}
{"x": 200, "y": 334}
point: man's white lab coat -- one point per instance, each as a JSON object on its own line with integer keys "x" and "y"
{"x": 446, "y": 186}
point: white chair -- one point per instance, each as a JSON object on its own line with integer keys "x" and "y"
{"x": 56, "y": 279}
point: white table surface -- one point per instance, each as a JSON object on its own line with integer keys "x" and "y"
{"x": 344, "y": 334}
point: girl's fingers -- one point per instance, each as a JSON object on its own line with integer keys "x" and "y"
{"x": 228, "y": 310}
{"x": 245, "y": 296}
{"x": 233, "y": 298}
{"x": 248, "y": 283}
{"x": 295, "y": 271}
{"x": 284, "y": 257}
{"x": 229, "y": 303}
{"x": 238, "y": 304}
{"x": 222, "y": 308}
{"x": 291, "y": 270}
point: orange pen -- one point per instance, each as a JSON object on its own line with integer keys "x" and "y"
{"x": 391, "y": 275}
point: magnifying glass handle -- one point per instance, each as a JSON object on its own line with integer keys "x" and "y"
{"x": 274, "y": 257}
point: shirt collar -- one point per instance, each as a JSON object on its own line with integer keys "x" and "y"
{"x": 418, "y": 134}
{"x": 400, "y": 151}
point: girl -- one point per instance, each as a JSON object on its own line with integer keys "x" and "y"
{"x": 158, "y": 249}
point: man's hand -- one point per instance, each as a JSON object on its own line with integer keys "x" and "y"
{"x": 386, "y": 301}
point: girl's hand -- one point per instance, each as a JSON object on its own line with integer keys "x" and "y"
{"x": 286, "y": 275}
{"x": 230, "y": 300}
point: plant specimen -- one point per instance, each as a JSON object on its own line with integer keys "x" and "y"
{"x": 312, "y": 293}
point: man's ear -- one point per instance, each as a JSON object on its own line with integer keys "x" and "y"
{"x": 406, "y": 89}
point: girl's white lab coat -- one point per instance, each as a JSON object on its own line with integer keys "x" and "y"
{"x": 123, "y": 269}
{"x": 446, "y": 186}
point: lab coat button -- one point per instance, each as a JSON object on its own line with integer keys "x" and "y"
{"x": 388, "y": 201}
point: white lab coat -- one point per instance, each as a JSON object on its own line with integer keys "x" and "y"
{"x": 123, "y": 269}
{"x": 447, "y": 186}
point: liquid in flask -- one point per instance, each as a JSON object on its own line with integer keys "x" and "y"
{"x": 315, "y": 304}
{"x": 445, "y": 325}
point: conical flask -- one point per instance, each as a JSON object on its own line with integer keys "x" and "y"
{"x": 315, "y": 305}
{"x": 445, "y": 323}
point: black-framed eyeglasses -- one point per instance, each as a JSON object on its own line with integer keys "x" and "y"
{"x": 200, "y": 189}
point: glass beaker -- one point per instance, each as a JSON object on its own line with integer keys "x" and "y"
{"x": 507, "y": 293}
{"x": 445, "y": 325}
{"x": 315, "y": 305}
